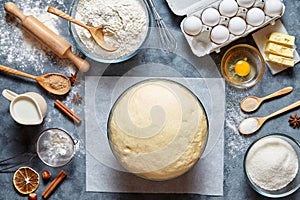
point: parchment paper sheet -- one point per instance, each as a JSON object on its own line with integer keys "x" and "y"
{"x": 104, "y": 173}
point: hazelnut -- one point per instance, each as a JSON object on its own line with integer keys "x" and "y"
{"x": 32, "y": 196}
{"x": 46, "y": 175}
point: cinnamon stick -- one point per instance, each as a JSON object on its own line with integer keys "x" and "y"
{"x": 53, "y": 185}
{"x": 67, "y": 111}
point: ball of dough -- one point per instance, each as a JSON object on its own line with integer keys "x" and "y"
{"x": 157, "y": 129}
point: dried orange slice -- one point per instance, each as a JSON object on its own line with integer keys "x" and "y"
{"x": 26, "y": 180}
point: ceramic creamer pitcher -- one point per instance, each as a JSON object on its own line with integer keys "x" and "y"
{"x": 28, "y": 109}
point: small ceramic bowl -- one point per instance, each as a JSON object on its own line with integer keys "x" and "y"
{"x": 246, "y": 53}
{"x": 94, "y": 51}
{"x": 288, "y": 189}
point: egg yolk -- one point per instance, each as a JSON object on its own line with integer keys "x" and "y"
{"x": 242, "y": 68}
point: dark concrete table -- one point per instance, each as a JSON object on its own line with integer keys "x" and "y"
{"x": 15, "y": 138}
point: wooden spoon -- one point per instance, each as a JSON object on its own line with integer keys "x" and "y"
{"x": 62, "y": 87}
{"x": 96, "y": 32}
{"x": 251, "y": 125}
{"x": 251, "y": 103}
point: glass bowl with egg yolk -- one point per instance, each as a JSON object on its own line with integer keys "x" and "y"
{"x": 242, "y": 66}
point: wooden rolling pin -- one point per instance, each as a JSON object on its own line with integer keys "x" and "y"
{"x": 59, "y": 46}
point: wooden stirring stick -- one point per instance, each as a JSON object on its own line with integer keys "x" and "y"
{"x": 42, "y": 33}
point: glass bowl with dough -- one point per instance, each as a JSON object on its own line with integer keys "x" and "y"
{"x": 271, "y": 165}
{"x": 157, "y": 129}
{"x": 126, "y": 26}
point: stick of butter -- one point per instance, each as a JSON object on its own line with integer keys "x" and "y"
{"x": 282, "y": 38}
{"x": 280, "y": 60}
{"x": 279, "y": 50}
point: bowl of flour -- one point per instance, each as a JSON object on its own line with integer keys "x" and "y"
{"x": 126, "y": 26}
{"x": 271, "y": 165}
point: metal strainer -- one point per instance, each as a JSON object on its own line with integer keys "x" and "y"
{"x": 55, "y": 147}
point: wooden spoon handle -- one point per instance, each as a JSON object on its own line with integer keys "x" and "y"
{"x": 287, "y": 108}
{"x": 16, "y": 72}
{"x": 63, "y": 15}
{"x": 279, "y": 93}
{"x": 12, "y": 9}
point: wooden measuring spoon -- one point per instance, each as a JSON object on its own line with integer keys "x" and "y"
{"x": 252, "y": 124}
{"x": 96, "y": 32}
{"x": 251, "y": 103}
{"x": 55, "y": 83}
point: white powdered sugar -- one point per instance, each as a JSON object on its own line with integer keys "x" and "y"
{"x": 124, "y": 21}
{"x": 55, "y": 147}
{"x": 272, "y": 163}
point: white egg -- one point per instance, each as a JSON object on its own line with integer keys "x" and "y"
{"x": 192, "y": 25}
{"x": 219, "y": 34}
{"x": 245, "y": 3}
{"x": 210, "y": 16}
{"x": 237, "y": 26}
{"x": 273, "y": 8}
{"x": 228, "y": 8}
{"x": 255, "y": 17}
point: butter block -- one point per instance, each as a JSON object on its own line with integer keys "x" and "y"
{"x": 282, "y": 38}
{"x": 279, "y": 50}
{"x": 280, "y": 60}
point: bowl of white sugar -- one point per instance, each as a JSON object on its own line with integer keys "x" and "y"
{"x": 271, "y": 165}
{"x": 125, "y": 26}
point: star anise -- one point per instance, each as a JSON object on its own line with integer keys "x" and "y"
{"x": 74, "y": 79}
{"x": 294, "y": 120}
{"x": 77, "y": 99}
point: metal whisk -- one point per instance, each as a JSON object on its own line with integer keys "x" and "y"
{"x": 167, "y": 39}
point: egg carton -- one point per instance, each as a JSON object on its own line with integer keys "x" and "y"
{"x": 207, "y": 39}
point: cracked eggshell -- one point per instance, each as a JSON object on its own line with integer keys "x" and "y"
{"x": 255, "y": 17}
{"x": 273, "y": 8}
{"x": 219, "y": 34}
{"x": 228, "y": 8}
{"x": 245, "y": 3}
{"x": 237, "y": 26}
{"x": 192, "y": 25}
{"x": 210, "y": 17}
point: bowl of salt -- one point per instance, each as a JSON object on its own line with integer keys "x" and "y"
{"x": 271, "y": 165}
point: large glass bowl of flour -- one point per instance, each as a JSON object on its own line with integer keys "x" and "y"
{"x": 126, "y": 26}
{"x": 271, "y": 165}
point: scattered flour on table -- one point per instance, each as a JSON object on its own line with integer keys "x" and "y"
{"x": 127, "y": 20}
{"x": 20, "y": 50}
{"x": 235, "y": 143}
